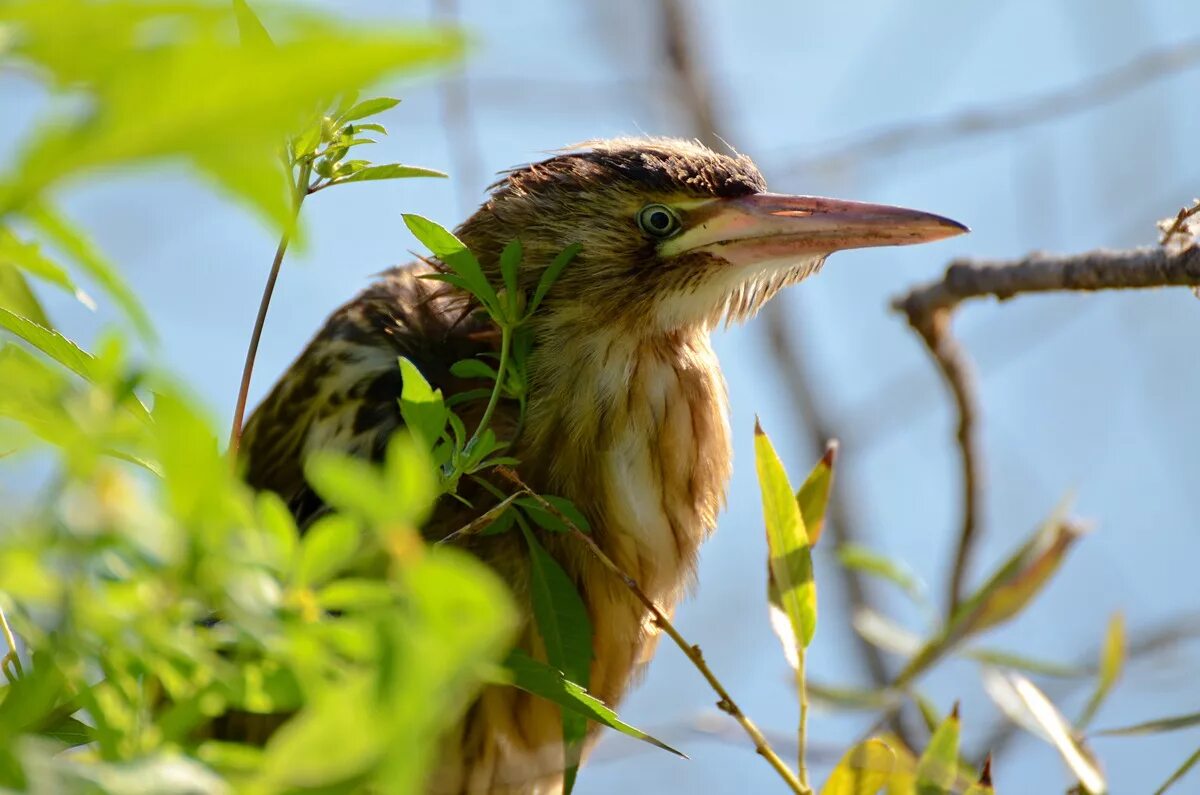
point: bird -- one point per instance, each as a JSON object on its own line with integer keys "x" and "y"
{"x": 627, "y": 412}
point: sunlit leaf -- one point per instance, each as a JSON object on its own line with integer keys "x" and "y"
{"x": 29, "y": 258}
{"x": 1112, "y": 661}
{"x": 455, "y": 256}
{"x": 863, "y": 770}
{"x": 880, "y": 631}
{"x": 51, "y": 343}
{"x": 791, "y": 587}
{"x": 937, "y": 769}
{"x": 542, "y": 680}
{"x": 17, "y": 297}
{"x": 813, "y": 496}
{"x": 388, "y": 171}
{"x": 421, "y": 405}
{"x": 368, "y": 107}
{"x": 984, "y": 785}
{"x": 250, "y": 28}
{"x": 1018, "y": 696}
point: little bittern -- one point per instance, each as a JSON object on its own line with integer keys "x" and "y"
{"x": 627, "y": 409}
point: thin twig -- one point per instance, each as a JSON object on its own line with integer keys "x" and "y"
{"x": 933, "y": 133}
{"x": 725, "y": 703}
{"x": 239, "y": 411}
{"x": 929, "y": 310}
{"x": 11, "y": 657}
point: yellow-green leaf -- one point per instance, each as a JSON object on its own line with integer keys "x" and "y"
{"x": 863, "y": 770}
{"x": 1112, "y": 662}
{"x": 813, "y": 496}
{"x": 937, "y": 769}
{"x": 17, "y": 297}
{"x": 791, "y": 589}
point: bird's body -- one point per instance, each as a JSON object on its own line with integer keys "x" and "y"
{"x": 627, "y": 410}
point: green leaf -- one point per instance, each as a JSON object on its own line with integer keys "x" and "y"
{"x": 51, "y": 343}
{"x": 863, "y": 770}
{"x": 29, "y": 258}
{"x": 455, "y": 256}
{"x": 547, "y": 519}
{"x": 326, "y": 549}
{"x": 510, "y": 264}
{"x": 791, "y": 590}
{"x": 372, "y": 127}
{"x": 354, "y": 593}
{"x": 250, "y": 28}
{"x": 389, "y": 171}
{"x": 368, "y": 107}
{"x": 1158, "y": 726}
{"x": 813, "y": 496}
{"x": 280, "y": 535}
{"x": 474, "y": 368}
{"x": 71, "y": 731}
{"x": 1179, "y": 773}
{"x": 542, "y": 680}
{"x": 566, "y": 631}
{"x": 421, "y": 405}
{"x": 1028, "y": 707}
{"x": 1112, "y": 661}
{"x": 551, "y": 274}
{"x": 937, "y": 769}
{"x": 76, "y": 245}
{"x": 17, "y": 297}
{"x": 860, "y": 558}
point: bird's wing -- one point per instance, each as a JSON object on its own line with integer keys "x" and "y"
{"x": 342, "y": 392}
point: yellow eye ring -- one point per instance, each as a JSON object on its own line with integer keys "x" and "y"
{"x": 658, "y": 220}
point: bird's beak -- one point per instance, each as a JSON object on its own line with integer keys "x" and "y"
{"x": 765, "y": 227}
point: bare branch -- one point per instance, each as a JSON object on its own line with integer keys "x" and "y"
{"x": 930, "y": 308}
{"x": 932, "y": 133}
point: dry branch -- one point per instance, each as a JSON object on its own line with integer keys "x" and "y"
{"x": 930, "y": 308}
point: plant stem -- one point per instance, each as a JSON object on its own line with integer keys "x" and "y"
{"x": 239, "y": 411}
{"x": 11, "y": 640}
{"x": 501, "y": 371}
{"x": 726, "y": 703}
{"x": 802, "y": 729}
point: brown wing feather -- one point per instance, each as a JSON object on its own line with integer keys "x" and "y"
{"x": 342, "y": 391}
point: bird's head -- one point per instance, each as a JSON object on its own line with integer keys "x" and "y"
{"x": 673, "y": 234}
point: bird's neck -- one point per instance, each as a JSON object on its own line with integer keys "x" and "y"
{"x": 632, "y": 425}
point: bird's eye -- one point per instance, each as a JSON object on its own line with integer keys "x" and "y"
{"x": 658, "y": 220}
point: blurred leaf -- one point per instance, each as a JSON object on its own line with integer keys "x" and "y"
{"x": 368, "y": 107}
{"x": 188, "y": 95}
{"x": 984, "y": 785}
{"x": 1112, "y": 661}
{"x": 859, "y": 558}
{"x": 29, "y": 258}
{"x": 863, "y": 770}
{"x": 566, "y": 632}
{"x": 85, "y": 254}
{"x": 791, "y": 590}
{"x": 852, "y": 697}
{"x": 1039, "y": 711}
{"x": 813, "y": 496}
{"x": 1182, "y": 771}
{"x": 551, "y": 274}
{"x": 1026, "y": 664}
{"x": 51, "y": 343}
{"x": 421, "y": 405}
{"x": 69, "y": 731}
{"x": 937, "y": 769}
{"x": 1174, "y": 723}
{"x": 326, "y": 548}
{"x": 542, "y": 680}
{"x": 388, "y": 171}
{"x": 455, "y": 256}
{"x": 17, "y": 297}
{"x": 1013, "y": 586}
{"x": 250, "y": 28}
{"x": 279, "y": 530}
{"x": 354, "y": 593}
{"x": 880, "y": 631}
